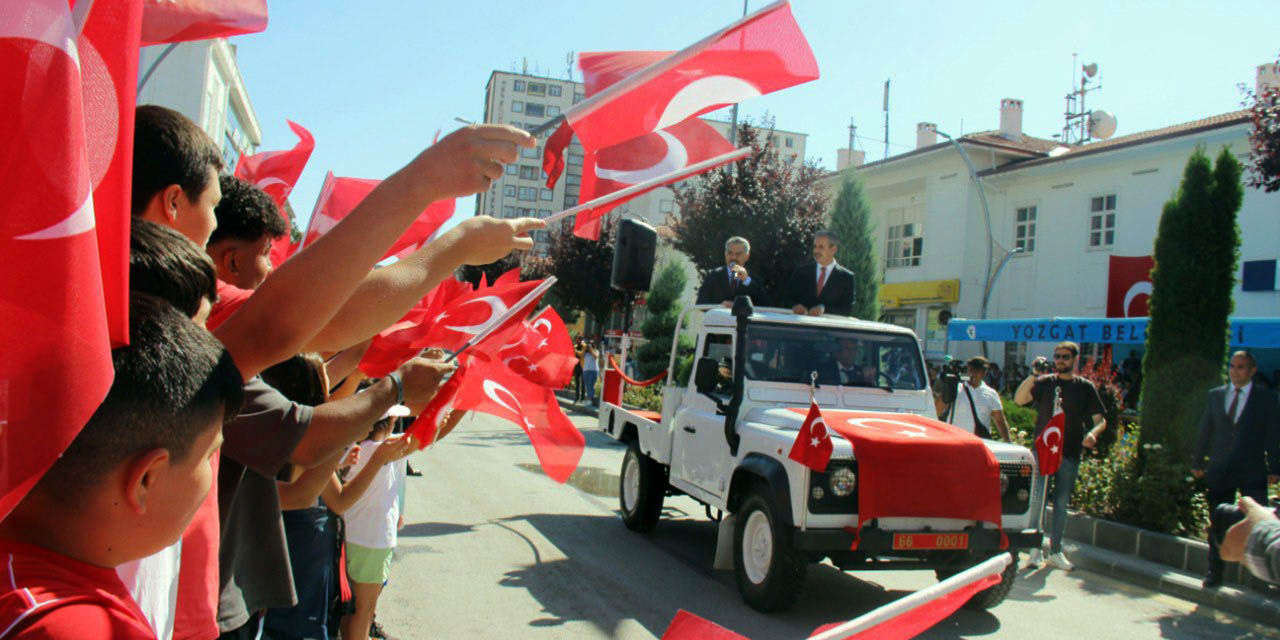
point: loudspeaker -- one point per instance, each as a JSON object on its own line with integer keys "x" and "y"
{"x": 633, "y": 256}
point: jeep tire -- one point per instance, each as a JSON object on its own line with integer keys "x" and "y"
{"x": 991, "y": 596}
{"x": 641, "y": 486}
{"x": 770, "y": 572}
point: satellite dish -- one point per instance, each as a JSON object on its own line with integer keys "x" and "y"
{"x": 1102, "y": 125}
{"x": 1091, "y": 69}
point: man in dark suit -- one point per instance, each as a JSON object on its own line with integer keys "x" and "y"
{"x": 724, "y": 284}
{"x": 821, "y": 286}
{"x": 848, "y": 367}
{"x": 1240, "y": 437}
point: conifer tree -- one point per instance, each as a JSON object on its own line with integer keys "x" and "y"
{"x": 851, "y": 222}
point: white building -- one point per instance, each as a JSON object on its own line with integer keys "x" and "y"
{"x": 201, "y": 80}
{"x": 1067, "y": 208}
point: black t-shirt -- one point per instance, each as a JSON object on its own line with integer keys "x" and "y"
{"x": 1080, "y": 401}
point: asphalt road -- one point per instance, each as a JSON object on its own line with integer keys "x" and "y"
{"x": 494, "y": 549}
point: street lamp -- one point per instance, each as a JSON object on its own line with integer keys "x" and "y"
{"x": 986, "y": 217}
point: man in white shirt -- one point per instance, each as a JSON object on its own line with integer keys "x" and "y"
{"x": 978, "y": 406}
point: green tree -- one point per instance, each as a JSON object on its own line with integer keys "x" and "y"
{"x": 774, "y": 204}
{"x": 659, "y": 328}
{"x": 851, "y": 222}
{"x": 1264, "y": 138}
{"x": 1196, "y": 251}
{"x": 582, "y": 269}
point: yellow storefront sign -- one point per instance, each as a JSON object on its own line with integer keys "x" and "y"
{"x": 899, "y": 294}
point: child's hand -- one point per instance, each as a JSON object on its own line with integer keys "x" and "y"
{"x": 468, "y": 160}
{"x": 393, "y": 449}
{"x": 352, "y": 456}
{"x": 482, "y": 240}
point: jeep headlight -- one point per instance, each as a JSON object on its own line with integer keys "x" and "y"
{"x": 1004, "y": 483}
{"x": 842, "y": 481}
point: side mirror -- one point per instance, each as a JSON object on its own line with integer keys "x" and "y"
{"x": 707, "y": 375}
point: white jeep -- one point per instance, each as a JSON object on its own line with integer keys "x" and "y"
{"x": 724, "y": 440}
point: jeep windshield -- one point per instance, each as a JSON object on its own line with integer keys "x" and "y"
{"x": 841, "y": 357}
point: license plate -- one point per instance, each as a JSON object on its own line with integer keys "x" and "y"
{"x": 930, "y": 541}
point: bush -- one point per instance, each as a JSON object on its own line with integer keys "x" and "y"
{"x": 1022, "y": 422}
{"x": 647, "y": 398}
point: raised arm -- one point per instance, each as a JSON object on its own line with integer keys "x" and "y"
{"x": 301, "y": 493}
{"x": 1023, "y": 395}
{"x": 339, "y": 497}
{"x": 301, "y": 297}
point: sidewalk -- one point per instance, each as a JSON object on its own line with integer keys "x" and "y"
{"x": 1132, "y": 567}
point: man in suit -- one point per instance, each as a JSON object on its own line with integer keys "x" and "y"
{"x": 848, "y": 367}
{"x": 1240, "y": 437}
{"x": 724, "y": 284}
{"x": 821, "y": 286}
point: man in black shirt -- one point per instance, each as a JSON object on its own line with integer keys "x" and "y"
{"x": 1084, "y": 422}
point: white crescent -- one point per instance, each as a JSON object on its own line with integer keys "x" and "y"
{"x": 492, "y": 389}
{"x": 270, "y": 180}
{"x": 703, "y": 93}
{"x": 1138, "y": 288}
{"x": 677, "y": 158}
{"x": 543, "y": 321}
{"x": 917, "y": 431}
{"x": 1048, "y": 430}
{"x": 80, "y": 221}
{"x": 496, "y": 308}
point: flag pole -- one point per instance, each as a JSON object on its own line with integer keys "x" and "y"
{"x": 502, "y": 319}
{"x": 679, "y": 174}
{"x": 804, "y": 509}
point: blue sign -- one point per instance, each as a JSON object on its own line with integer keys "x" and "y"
{"x": 1245, "y": 332}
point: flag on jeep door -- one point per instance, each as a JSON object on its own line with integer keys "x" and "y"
{"x": 812, "y": 447}
{"x": 1049, "y": 440}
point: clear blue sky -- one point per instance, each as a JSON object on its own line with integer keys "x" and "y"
{"x": 374, "y": 80}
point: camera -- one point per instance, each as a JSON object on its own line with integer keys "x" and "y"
{"x": 949, "y": 381}
{"x": 1041, "y": 366}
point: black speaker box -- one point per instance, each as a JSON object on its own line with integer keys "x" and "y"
{"x": 633, "y": 256}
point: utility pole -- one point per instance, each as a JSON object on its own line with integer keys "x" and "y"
{"x": 733, "y": 128}
{"x": 853, "y": 133}
{"x": 886, "y": 117}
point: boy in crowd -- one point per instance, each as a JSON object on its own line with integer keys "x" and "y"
{"x": 125, "y": 488}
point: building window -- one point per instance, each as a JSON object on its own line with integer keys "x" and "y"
{"x": 525, "y": 212}
{"x": 571, "y": 191}
{"x": 518, "y": 85}
{"x": 575, "y": 159}
{"x": 517, "y": 106}
{"x": 570, "y": 200}
{"x": 535, "y": 109}
{"x": 553, "y": 90}
{"x": 577, "y": 97}
{"x": 572, "y": 180}
{"x": 790, "y": 142}
{"x": 537, "y": 89}
{"x": 906, "y": 245}
{"x": 665, "y": 206}
{"x": 552, "y": 110}
{"x": 544, "y": 213}
{"x": 527, "y": 172}
{"x": 513, "y": 169}
{"x": 528, "y": 193}
{"x": 545, "y": 195}
{"x": 1102, "y": 221}
{"x": 532, "y": 153}
{"x": 545, "y": 176}
{"x": 508, "y": 190}
{"x": 1024, "y": 229}
{"x": 508, "y": 212}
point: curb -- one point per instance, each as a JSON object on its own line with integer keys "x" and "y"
{"x": 1186, "y": 586}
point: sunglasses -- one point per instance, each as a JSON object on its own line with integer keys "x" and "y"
{"x": 1062, "y": 356}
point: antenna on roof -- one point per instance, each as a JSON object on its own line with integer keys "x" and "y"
{"x": 1083, "y": 125}
{"x": 568, "y": 63}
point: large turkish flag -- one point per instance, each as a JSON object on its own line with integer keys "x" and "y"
{"x": 68, "y": 73}
{"x": 1129, "y": 286}
{"x": 539, "y": 349}
{"x": 340, "y": 196}
{"x": 276, "y": 173}
{"x": 181, "y": 20}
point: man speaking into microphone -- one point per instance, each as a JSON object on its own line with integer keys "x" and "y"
{"x": 725, "y": 283}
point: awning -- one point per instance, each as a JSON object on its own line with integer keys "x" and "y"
{"x": 897, "y": 294}
{"x": 1245, "y": 332}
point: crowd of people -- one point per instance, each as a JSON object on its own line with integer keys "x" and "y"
{"x": 206, "y": 497}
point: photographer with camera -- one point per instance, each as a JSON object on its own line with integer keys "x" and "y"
{"x": 1083, "y": 422}
{"x": 1240, "y": 439}
{"x": 979, "y": 406}
{"x": 1254, "y": 540}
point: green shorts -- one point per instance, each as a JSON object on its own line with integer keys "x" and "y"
{"x": 367, "y": 565}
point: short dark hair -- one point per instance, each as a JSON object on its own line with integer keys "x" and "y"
{"x": 977, "y": 362}
{"x": 168, "y": 148}
{"x": 1069, "y": 346}
{"x": 300, "y": 378}
{"x": 166, "y": 264}
{"x": 1253, "y": 362}
{"x": 170, "y": 380}
{"x": 245, "y": 213}
{"x": 829, "y": 235}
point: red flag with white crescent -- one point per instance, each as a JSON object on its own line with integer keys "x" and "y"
{"x": 340, "y": 196}
{"x": 165, "y": 21}
{"x": 1049, "y": 440}
{"x": 276, "y": 173}
{"x": 538, "y": 349}
{"x": 812, "y": 447}
{"x": 68, "y": 76}
{"x": 1129, "y": 286}
{"x": 467, "y": 315}
{"x": 494, "y": 389}
{"x": 394, "y": 345}
{"x": 427, "y": 426}
{"x": 759, "y": 54}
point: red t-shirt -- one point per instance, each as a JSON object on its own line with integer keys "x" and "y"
{"x": 230, "y": 298}
{"x": 196, "y": 614}
{"x": 48, "y": 595}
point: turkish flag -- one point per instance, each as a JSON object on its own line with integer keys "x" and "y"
{"x": 340, "y": 196}
{"x": 395, "y": 345}
{"x": 464, "y": 316}
{"x": 426, "y": 427}
{"x": 688, "y": 626}
{"x": 276, "y": 173}
{"x": 1129, "y": 286}
{"x": 914, "y": 466}
{"x": 166, "y": 21}
{"x": 538, "y": 349}
{"x": 494, "y": 389}
{"x": 67, "y": 81}
{"x": 812, "y": 447}
{"x": 761, "y": 53}
{"x": 1049, "y": 440}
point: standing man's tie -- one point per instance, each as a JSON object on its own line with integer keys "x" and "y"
{"x": 822, "y": 279}
{"x": 1235, "y": 402}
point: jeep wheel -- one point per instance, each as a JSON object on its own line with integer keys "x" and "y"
{"x": 641, "y": 486}
{"x": 991, "y": 596}
{"x": 770, "y": 572}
